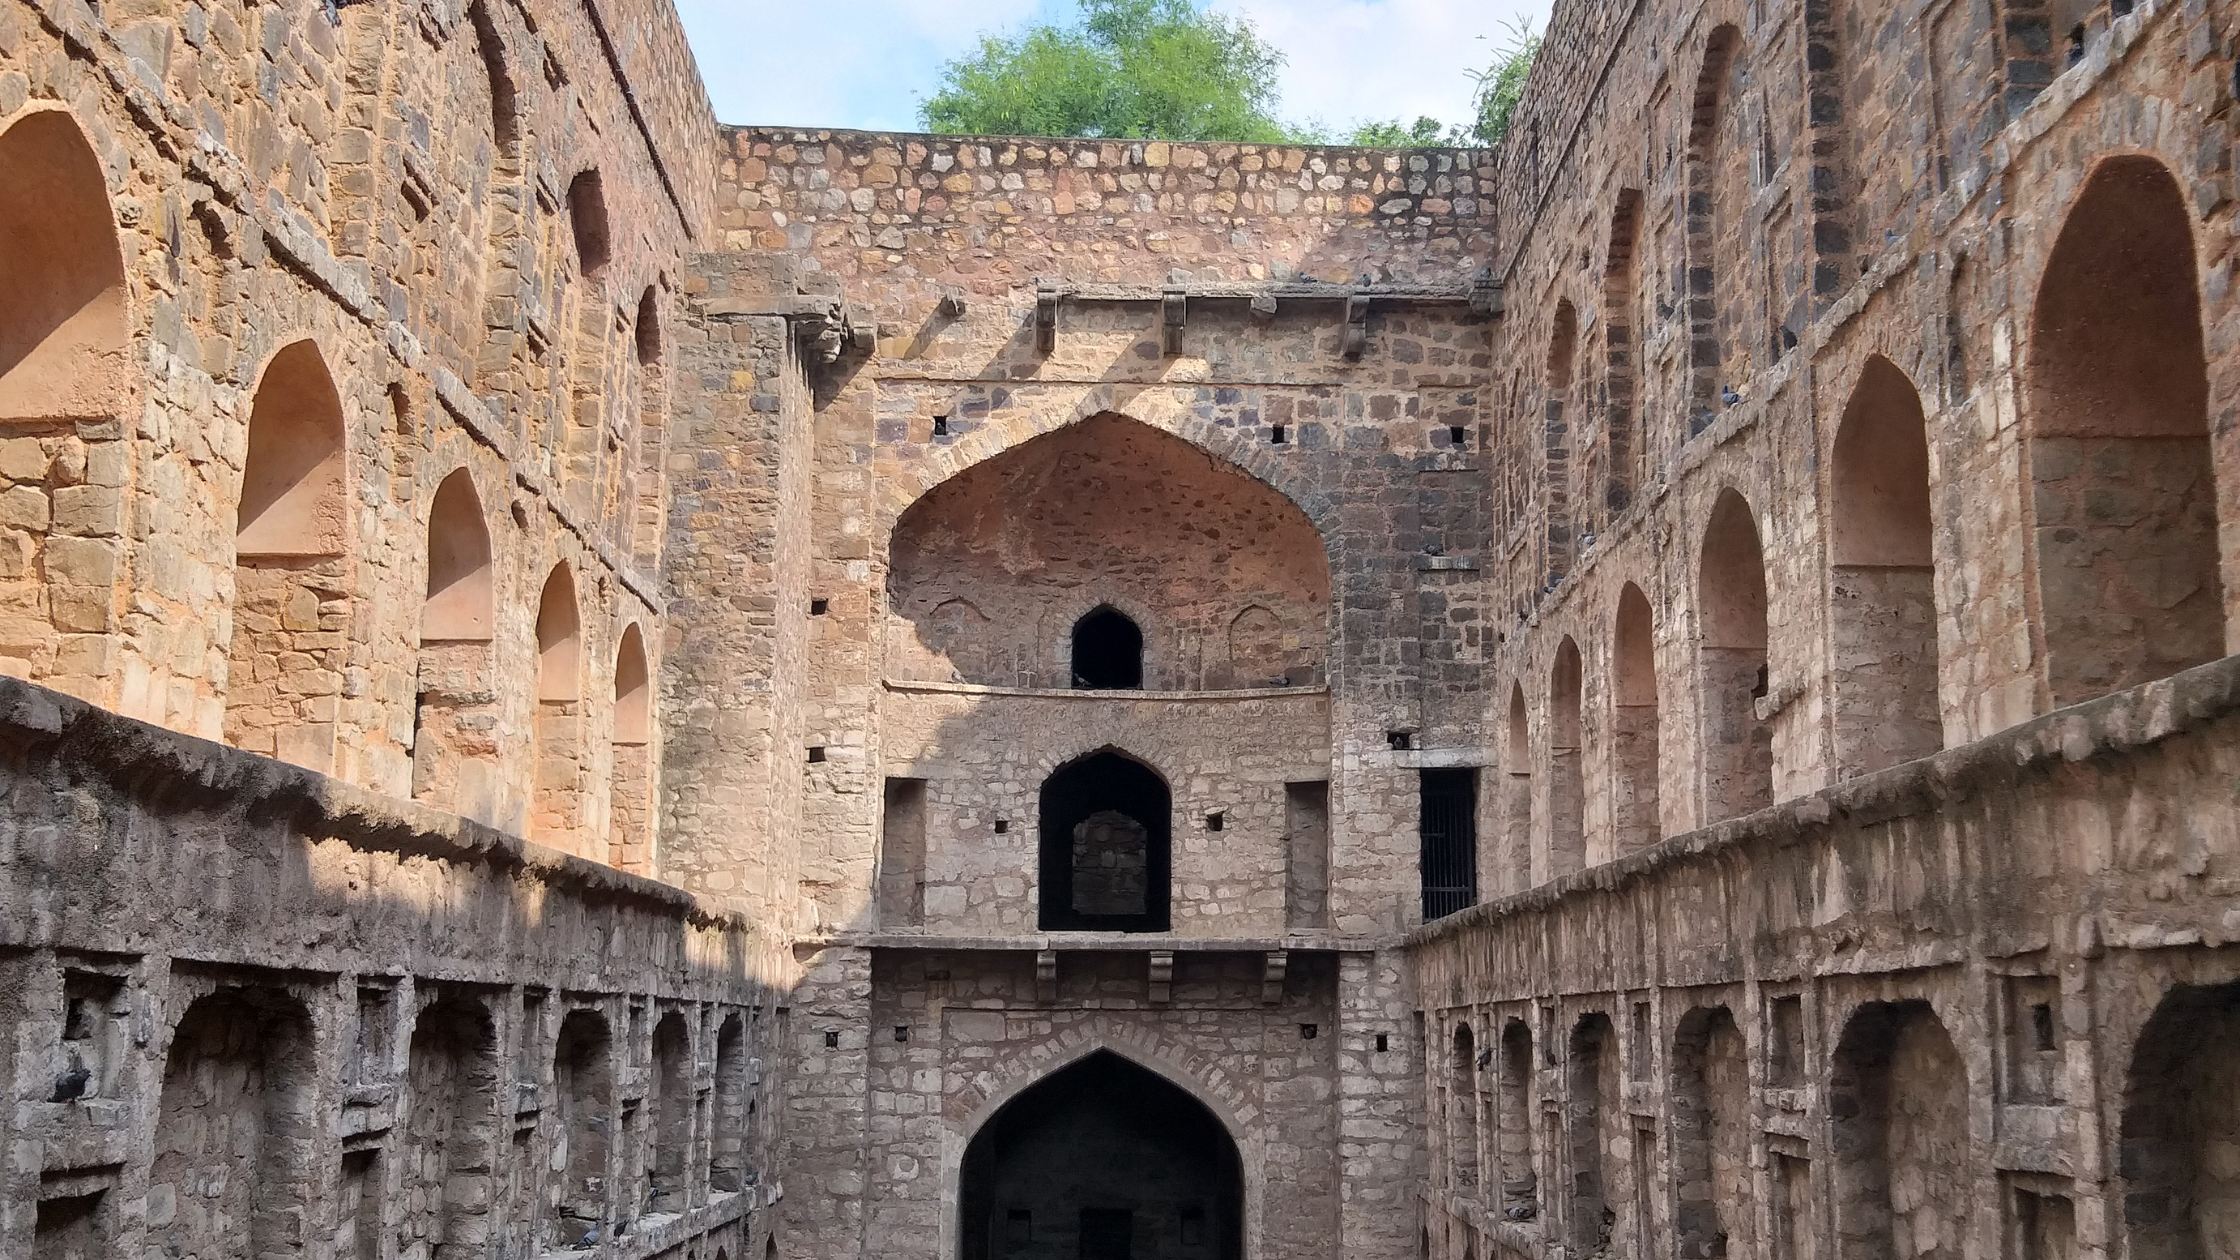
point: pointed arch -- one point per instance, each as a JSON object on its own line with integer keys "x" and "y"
{"x": 1107, "y": 828}
{"x": 456, "y": 714}
{"x": 1710, "y": 160}
{"x": 630, "y": 783}
{"x": 1559, "y": 455}
{"x": 648, "y": 327}
{"x": 293, "y": 501}
{"x": 1711, "y": 1131}
{"x": 557, "y": 816}
{"x": 1732, "y": 665}
{"x": 559, "y": 638}
{"x": 2181, "y": 1108}
{"x": 1898, "y": 1092}
{"x": 461, "y": 589}
{"x": 587, "y": 219}
{"x": 1517, "y": 1125}
{"x": 1462, "y": 1111}
{"x": 64, "y": 330}
{"x": 1567, "y": 794}
{"x": 1624, "y": 442}
{"x": 2123, "y": 482}
{"x": 1516, "y": 812}
{"x": 1107, "y": 651}
{"x": 1884, "y": 614}
{"x": 1635, "y": 818}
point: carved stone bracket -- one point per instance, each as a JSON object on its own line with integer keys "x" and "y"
{"x": 1162, "y": 976}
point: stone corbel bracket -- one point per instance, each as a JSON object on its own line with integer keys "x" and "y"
{"x": 1162, "y": 976}
{"x": 1276, "y": 966}
{"x": 822, "y": 324}
{"x": 1046, "y": 976}
{"x": 1778, "y": 698}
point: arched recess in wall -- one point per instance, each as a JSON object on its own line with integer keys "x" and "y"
{"x": 641, "y": 501}
{"x": 1106, "y": 846}
{"x": 456, "y": 714}
{"x": 1516, "y": 1138}
{"x": 669, "y": 1188}
{"x": 727, "y": 1145}
{"x": 237, "y": 1100}
{"x": 1634, "y": 714}
{"x": 1558, "y": 495}
{"x": 1884, "y": 613}
{"x": 1462, "y": 1112}
{"x": 2181, "y": 1113}
{"x": 1732, "y": 664}
{"x": 64, "y": 335}
{"x": 1898, "y": 1095}
{"x": 1516, "y": 805}
{"x": 1710, "y": 215}
{"x": 2122, "y": 481}
{"x": 1624, "y": 442}
{"x": 630, "y": 793}
{"x": 1711, "y": 1136}
{"x": 557, "y": 810}
{"x": 450, "y": 1142}
{"x": 588, "y": 222}
{"x": 1591, "y": 1217}
{"x": 292, "y": 597}
{"x": 507, "y": 271}
{"x": 1100, "y": 1132}
{"x": 1107, "y": 651}
{"x": 584, "y": 1127}
{"x": 1567, "y": 783}
{"x": 990, "y": 570}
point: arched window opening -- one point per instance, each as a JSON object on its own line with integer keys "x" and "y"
{"x": 583, "y": 1100}
{"x": 1107, "y": 652}
{"x": 1563, "y": 346}
{"x": 459, "y": 605}
{"x": 1516, "y": 807}
{"x": 630, "y": 793}
{"x": 292, "y": 600}
{"x": 1622, "y": 439}
{"x": 1711, "y": 1135}
{"x": 1108, "y": 1158}
{"x": 1636, "y": 821}
{"x": 1898, "y": 1091}
{"x": 587, "y": 215}
{"x": 727, "y": 1148}
{"x": 1731, "y": 656}
{"x": 450, "y": 1138}
{"x": 243, "y": 1056}
{"x": 557, "y": 812}
{"x": 1106, "y": 847}
{"x": 1462, "y": 1112}
{"x": 649, "y": 327}
{"x": 1567, "y": 792}
{"x": 1594, "y": 1115}
{"x": 670, "y": 1188}
{"x": 1884, "y": 617}
{"x": 2120, "y": 465}
{"x": 1518, "y": 1144}
{"x": 64, "y": 351}
{"x": 1713, "y": 188}
{"x": 2181, "y": 1107}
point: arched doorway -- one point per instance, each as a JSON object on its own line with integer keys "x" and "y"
{"x": 1106, "y": 847}
{"x": 1104, "y": 1160}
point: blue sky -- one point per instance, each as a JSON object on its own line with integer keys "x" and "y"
{"x": 868, "y": 63}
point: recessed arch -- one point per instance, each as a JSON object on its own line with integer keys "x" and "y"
{"x": 1567, "y": 794}
{"x": 1635, "y": 818}
{"x": 1516, "y": 811}
{"x": 1462, "y": 1110}
{"x": 631, "y": 776}
{"x": 1711, "y": 1128}
{"x": 1516, "y": 1141}
{"x": 1884, "y": 613}
{"x": 1732, "y": 662}
{"x": 1713, "y": 189}
{"x": 247, "y": 1055}
{"x": 2122, "y": 479}
{"x": 1106, "y": 846}
{"x": 559, "y": 638}
{"x": 64, "y": 330}
{"x": 587, "y": 219}
{"x": 451, "y": 1089}
{"x": 1591, "y": 1065}
{"x": 293, "y": 501}
{"x": 461, "y": 576}
{"x": 1107, "y": 510}
{"x": 1157, "y": 1154}
{"x": 583, "y": 1105}
{"x": 1563, "y": 346}
{"x": 1623, "y": 442}
{"x": 649, "y": 327}
{"x": 633, "y": 690}
{"x": 2181, "y": 1111}
{"x": 1898, "y": 1095}
{"x": 1107, "y": 651}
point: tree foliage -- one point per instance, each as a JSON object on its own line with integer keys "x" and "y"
{"x": 1133, "y": 69}
{"x": 1502, "y": 84}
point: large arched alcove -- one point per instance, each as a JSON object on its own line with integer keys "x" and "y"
{"x": 2181, "y": 1121}
{"x": 63, "y": 327}
{"x": 1226, "y": 579}
{"x": 1635, "y": 820}
{"x": 2120, "y": 466}
{"x": 1737, "y": 743}
{"x": 1104, "y": 1160}
{"x": 1107, "y": 847}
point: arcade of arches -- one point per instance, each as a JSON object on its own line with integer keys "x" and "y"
{"x": 575, "y": 680}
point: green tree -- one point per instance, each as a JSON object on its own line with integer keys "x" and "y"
{"x": 1391, "y": 135}
{"x": 1501, "y": 85}
{"x": 1133, "y": 69}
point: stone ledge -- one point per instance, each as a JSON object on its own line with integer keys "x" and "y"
{"x": 46, "y": 734}
{"x": 2112, "y": 726}
{"x": 1068, "y": 693}
{"x": 1099, "y": 943}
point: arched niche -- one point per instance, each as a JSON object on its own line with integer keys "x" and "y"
{"x": 461, "y": 582}
{"x": 1623, "y": 441}
{"x": 630, "y": 784}
{"x": 587, "y": 218}
{"x": 2181, "y": 1117}
{"x": 293, "y": 501}
{"x": 584, "y": 1128}
{"x": 649, "y": 327}
{"x": 1731, "y": 660}
{"x": 1516, "y": 874}
{"x": 238, "y": 1090}
{"x": 1567, "y": 793}
{"x": 1635, "y": 820}
{"x": 1884, "y": 613}
{"x": 1717, "y": 195}
{"x": 1107, "y": 651}
{"x": 64, "y": 332}
{"x": 1106, "y": 846}
{"x": 450, "y": 1133}
{"x": 1711, "y": 1135}
{"x": 559, "y": 639}
{"x": 1101, "y": 1158}
{"x": 2121, "y": 475}
{"x": 1898, "y": 1092}
{"x": 990, "y": 570}
{"x": 1462, "y": 1111}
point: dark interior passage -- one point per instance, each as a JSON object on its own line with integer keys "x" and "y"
{"x": 1106, "y": 847}
{"x": 1105, "y": 1160}
{"x": 1107, "y": 652}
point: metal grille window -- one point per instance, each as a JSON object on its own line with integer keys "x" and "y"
{"x": 1450, "y": 841}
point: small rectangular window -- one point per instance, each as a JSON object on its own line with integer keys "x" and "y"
{"x": 1458, "y": 435}
{"x": 941, "y": 426}
{"x": 819, "y": 607}
{"x": 1383, "y": 1043}
{"x": 1448, "y": 829}
{"x": 816, "y": 755}
{"x": 1278, "y": 435}
{"x": 1215, "y": 821}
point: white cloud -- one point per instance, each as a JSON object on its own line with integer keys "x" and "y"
{"x": 867, "y": 63}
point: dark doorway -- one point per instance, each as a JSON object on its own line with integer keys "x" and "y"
{"x": 1106, "y": 847}
{"x": 1107, "y": 652}
{"x": 1104, "y": 1160}
{"x": 1449, "y": 829}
